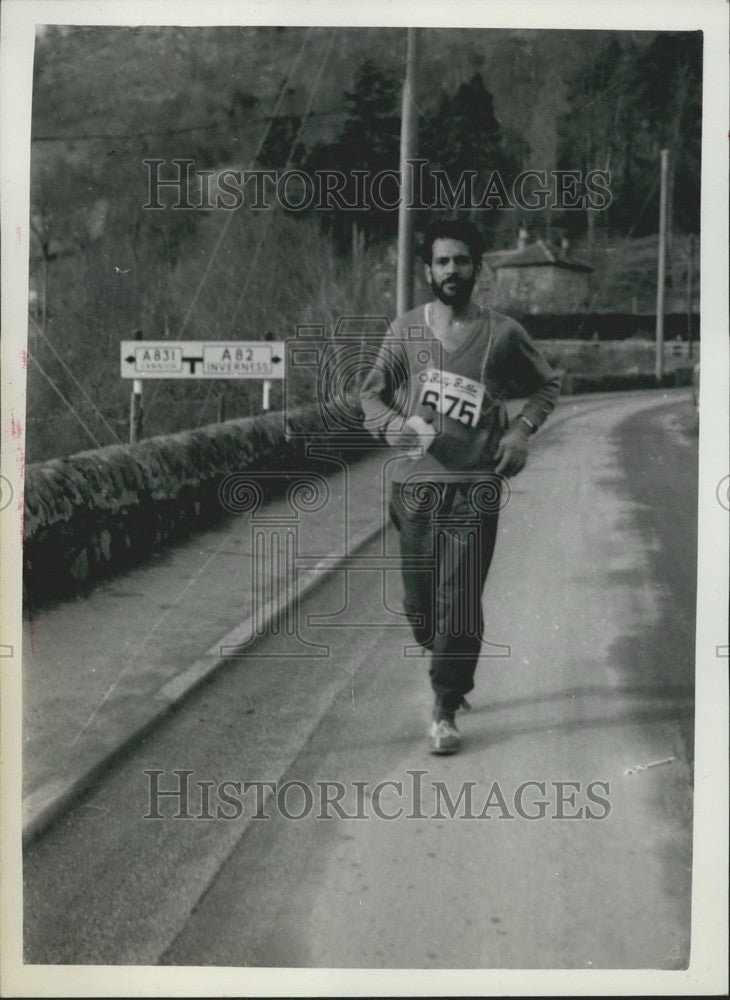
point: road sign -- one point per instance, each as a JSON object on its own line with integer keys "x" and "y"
{"x": 202, "y": 359}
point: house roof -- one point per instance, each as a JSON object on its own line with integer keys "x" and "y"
{"x": 537, "y": 254}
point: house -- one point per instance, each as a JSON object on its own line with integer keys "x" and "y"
{"x": 534, "y": 278}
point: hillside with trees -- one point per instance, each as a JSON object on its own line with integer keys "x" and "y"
{"x": 108, "y": 98}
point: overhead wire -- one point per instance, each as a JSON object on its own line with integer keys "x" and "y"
{"x": 55, "y": 388}
{"x": 612, "y": 263}
{"x": 262, "y": 238}
{"x": 203, "y": 127}
{"x": 292, "y": 149}
{"x": 73, "y": 378}
{"x": 224, "y": 229}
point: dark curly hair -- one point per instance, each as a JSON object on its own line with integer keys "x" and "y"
{"x": 453, "y": 229}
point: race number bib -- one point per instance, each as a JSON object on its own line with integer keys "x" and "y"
{"x": 455, "y": 396}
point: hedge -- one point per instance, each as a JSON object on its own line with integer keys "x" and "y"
{"x": 607, "y": 326}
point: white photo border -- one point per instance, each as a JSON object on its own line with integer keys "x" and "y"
{"x": 708, "y": 965}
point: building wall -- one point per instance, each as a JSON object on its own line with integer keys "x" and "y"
{"x": 535, "y": 289}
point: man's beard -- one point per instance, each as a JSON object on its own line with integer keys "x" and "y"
{"x": 457, "y": 296}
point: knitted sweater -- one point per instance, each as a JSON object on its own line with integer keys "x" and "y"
{"x": 460, "y": 393}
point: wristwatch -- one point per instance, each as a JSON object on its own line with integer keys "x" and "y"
{"x": 529, "y": 423}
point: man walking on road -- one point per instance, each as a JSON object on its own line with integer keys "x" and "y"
{"x": 436, "y": 394}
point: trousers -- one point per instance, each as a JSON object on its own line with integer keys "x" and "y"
{"x": 447, "y": 537}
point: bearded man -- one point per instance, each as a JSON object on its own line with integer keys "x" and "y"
{"x": 439, "y": 400}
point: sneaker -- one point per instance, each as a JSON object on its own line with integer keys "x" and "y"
{"x": 444, "y": 737}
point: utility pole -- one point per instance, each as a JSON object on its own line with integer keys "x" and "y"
{"x": 135, "y": 405}
{"x": 690, "y": 266}
{"x": 661, "y": 269}
{"x": 135, "y": 412}
{"x": 44, "y": 300}
{"x": 408, "y": 140}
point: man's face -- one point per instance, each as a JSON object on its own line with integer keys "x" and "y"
{"x": 451, "y": 273}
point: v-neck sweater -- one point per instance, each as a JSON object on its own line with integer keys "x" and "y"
{"x": 494, "y": 352}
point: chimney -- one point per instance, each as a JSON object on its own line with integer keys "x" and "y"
{"x": 564, "y": 246}
{"x": 522, "y": 238}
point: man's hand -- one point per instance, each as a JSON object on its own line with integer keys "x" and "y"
{"x": 405, "y": 437}
{"x": 512, "y": 452}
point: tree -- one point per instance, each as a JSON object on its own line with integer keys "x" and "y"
{"x": 597, "y": 127}
{"x": 465, "y": 135}
{"x": 630, "y": 98}
{"x": 368, "y": 141}
{"x": 667, "y": 89}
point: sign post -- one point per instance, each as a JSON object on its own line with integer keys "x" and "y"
{"x": 190, "y": 359}
{"x": 690, "y": 255}
{"x": 135, "y": 412}
{"x": 135, "y": 403}
{"x": 661, "y": 270}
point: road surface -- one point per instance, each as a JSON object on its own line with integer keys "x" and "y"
{"x": 574, "y": 850}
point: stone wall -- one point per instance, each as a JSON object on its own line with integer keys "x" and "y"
{"x": 95, "y": 513}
